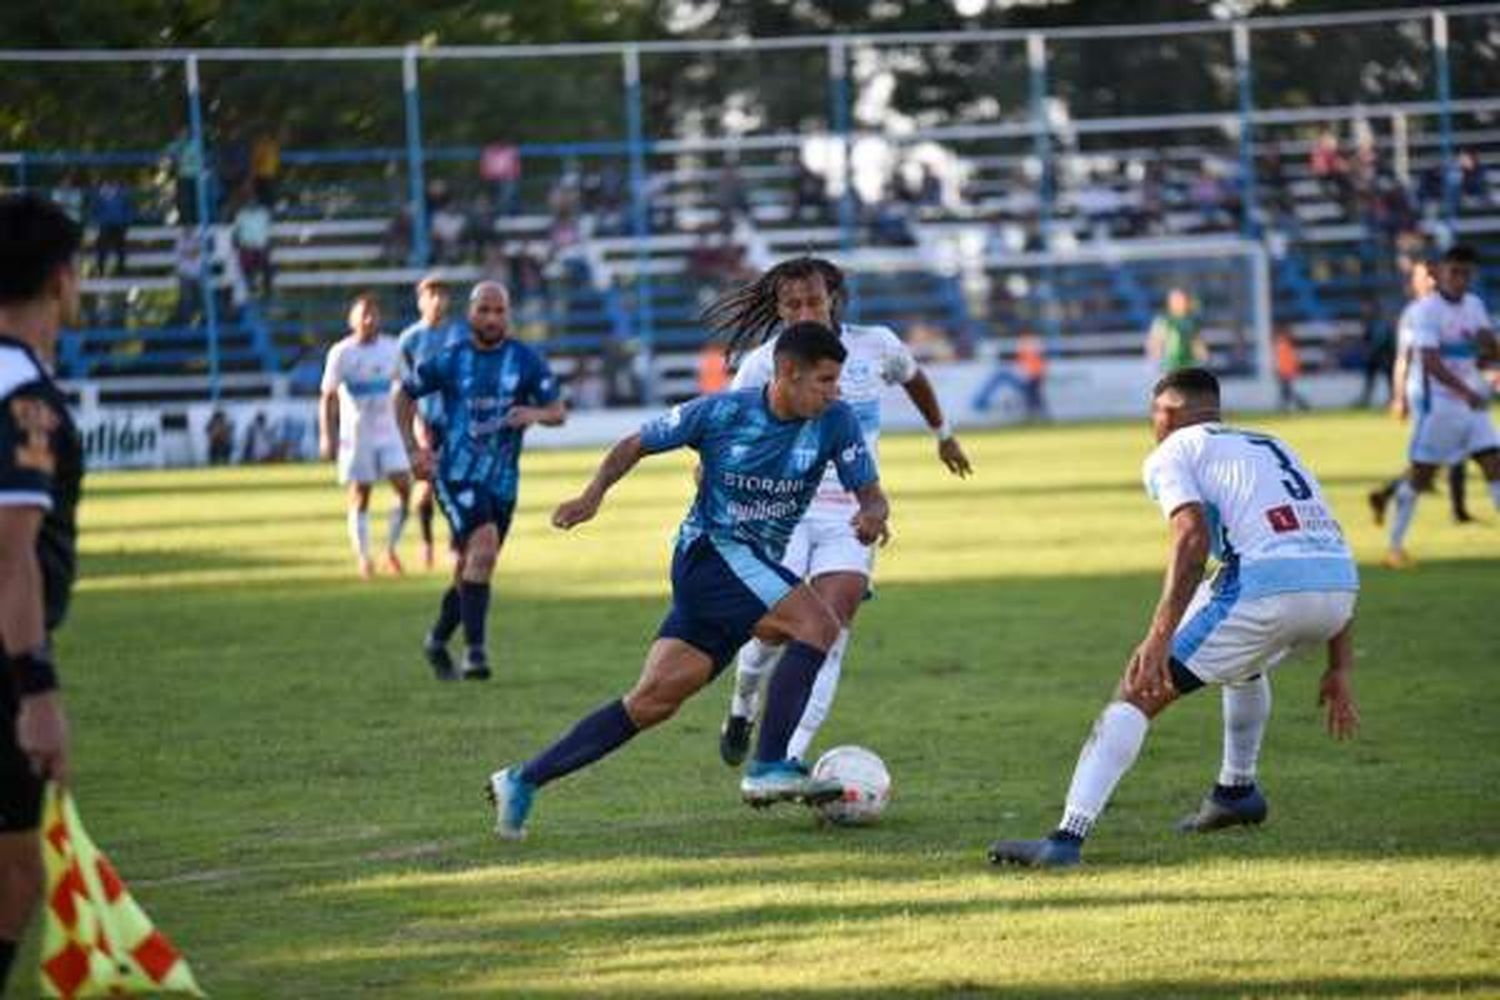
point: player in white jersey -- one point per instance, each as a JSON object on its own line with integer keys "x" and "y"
{"x": 1407, "y": 392}
{"x": 1451, "y": 334}
{"x": 823, "y": 549}
{"x": 356, "y": 411}
{"x": 1285, "y": 579}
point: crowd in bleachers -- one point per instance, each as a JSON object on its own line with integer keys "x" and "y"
{"x": 1341, "y": 215}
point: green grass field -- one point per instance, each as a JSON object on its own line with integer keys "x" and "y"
{"x": 261, "y": 749}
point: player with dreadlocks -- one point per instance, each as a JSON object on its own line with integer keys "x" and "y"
{"x": 823, "y": 549}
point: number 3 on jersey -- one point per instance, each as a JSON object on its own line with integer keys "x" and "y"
{"x": 1296, "y": 485}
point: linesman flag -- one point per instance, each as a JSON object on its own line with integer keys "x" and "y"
{"x": 96, "y": 942}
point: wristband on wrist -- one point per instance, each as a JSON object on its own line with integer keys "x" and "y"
{"x": 33, "y": 673}
{"x": 943, "y": 431}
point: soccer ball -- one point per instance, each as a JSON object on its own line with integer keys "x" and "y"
{"x": 867, "y": 785}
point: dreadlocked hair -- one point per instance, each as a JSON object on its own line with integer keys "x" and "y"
{"x": 745, "y": 317}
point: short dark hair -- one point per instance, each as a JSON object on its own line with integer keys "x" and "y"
{"x": 36, "y": 238}
{"x": 1461, "y": 253}
{"x": 1198, "y": 385}
{"x": 809, "y": 343}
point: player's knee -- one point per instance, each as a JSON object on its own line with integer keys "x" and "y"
{"x": 651, "y": 705}
{"x": 818, "y": 627}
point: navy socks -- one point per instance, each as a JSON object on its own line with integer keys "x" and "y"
{"x": 595, "y": 736}
{"x": 448, "y": 616}
{"x": 474, "y": 607}
{"x": 786, "y": 698}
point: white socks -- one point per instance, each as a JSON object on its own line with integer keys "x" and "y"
{"x": 359, "y": 532}
{"x": 1108, "y": 754}
{"x": 755, "y": 659}
{"x": 1247, "y": 706}
{"x": 1406, "y": 506}
{"x": 820, "y": 701}
{"x": 394, "y": 526}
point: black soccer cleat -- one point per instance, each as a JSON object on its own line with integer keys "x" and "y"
{"x": 476, "y": 666}
{"x": 439, "y": 659}
{"x": 1218, "y": 813}
{"x": 734, "y": 740}
{"x": 1047, "y": 852}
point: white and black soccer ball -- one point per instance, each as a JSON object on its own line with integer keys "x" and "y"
{"x": 866, "y": 781}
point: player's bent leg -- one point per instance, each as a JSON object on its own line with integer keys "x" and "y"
{"x": 358, "y": 519}
{"x": 804, "y": 621}
{"x": 21, "y": 884}
{"x": 674, "y": 670}
{"x": 1418, "y": 480}
{"x": 396, "y": 523}
{"x": 481, "y": 550}
{"x": 844, "y": 591}
{"x": 1236, "y": 799}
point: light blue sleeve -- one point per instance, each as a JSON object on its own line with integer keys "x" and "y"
{"x": 681, "y": 426}
{"x": 851, "y": 456}
{"x": 428, "y": 377}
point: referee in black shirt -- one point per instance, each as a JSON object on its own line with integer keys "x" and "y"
{"x": 41, "y": 466}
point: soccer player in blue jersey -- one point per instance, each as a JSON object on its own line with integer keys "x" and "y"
{"x": 762, "y": 453}
{"x": 492, "y": 388}
{"x": 432, "y": 333}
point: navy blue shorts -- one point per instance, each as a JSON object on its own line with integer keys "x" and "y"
{"x": 470, "y": 506}
{"x": 719, "y": 591}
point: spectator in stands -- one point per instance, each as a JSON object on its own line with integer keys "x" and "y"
{"x": 188, "y": 265}
{"x": 220, "y": 434}
{"x": 1209, "y": 197}
{"x": 1330, "y": 168}
{"x": 713, "y": 369}
{"x": 186, "y": 166}
{"x": 1276, "y": 192}
{"x": 252, "y": 243}
{"x": 1379, "y": 361}
{"x": 929, "y": 343}
{"x": 1031, "y": 373}
{"x": 265, "y": 167}
{"x": 111, "y": 213}
{"x": 810, "y": 195}
{"x": 260, "y": 443}
{"x": 1175, "y": 339}
{"x": 1288, "y": 370}
{"x": 730, "y": 196}
{"x": 1473, "y": 182}
{"x": 446, "y": 224}
{"x": 233, "y": 167}
{"x": 587, "y": 389}
{"x": 69, "y": 197}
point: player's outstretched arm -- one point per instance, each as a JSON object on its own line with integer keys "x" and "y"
{"x": 617, "y": 463}
{"x": 1335, "y": 690}
{"x": 919, "y": 390}
{"x": 41, "y": 728}
{"x": 1148, "y": 671}
{"x": 871, "y": 522}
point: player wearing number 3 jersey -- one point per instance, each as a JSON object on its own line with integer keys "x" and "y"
{"x": 1285, "y": 579}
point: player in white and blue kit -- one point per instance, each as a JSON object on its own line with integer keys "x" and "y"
{"x": 1451, "y": 334}
{"x": 762, "y": 453}
{"x": 432, "y": 333}
{"x": 823, "y": 549}
{"x": 1286, "y": 579}
{"x": 355, "y": 412}
{"x": 491, "y": 389}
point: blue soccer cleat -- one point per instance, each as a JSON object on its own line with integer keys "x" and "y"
{"x": 511, "y": 796}
{"x": 1216, "y": 812}
{"x": 1045, "y": 853}
{"x": 767, "y": 783}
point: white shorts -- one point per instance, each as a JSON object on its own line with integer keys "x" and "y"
{"x": 364, "y": 463}
{"x": 1451, "y": 432}
{"x": 1225, "y": 640}
{"x": 822, "y": 545}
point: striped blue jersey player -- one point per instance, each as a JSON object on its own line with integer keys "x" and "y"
{"x": 477, "y": 388}
{"x": 420, "y": 342}
{"x": 759, "y": 472}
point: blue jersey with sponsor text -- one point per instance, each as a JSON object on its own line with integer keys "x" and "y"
{"x": 759, "y": 472}
{"x": 420, "y": 342}
{"x": 477, "y": 388}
